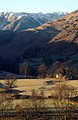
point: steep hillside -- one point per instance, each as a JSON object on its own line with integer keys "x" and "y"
{"x": 22, "y": 20}
{"x": 57, "y": 37}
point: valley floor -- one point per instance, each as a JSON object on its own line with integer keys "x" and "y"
{"x": 27, "y": 85}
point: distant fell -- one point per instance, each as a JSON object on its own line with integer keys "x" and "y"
{"x": 23, "y": 20}
{"x": 56, "y": 37}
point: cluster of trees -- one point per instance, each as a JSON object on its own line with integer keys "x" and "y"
{"x": 57, "y": 69}
{"x": 48, "y": 68}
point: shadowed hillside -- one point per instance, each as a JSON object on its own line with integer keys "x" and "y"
{"x": 55, "y": 37}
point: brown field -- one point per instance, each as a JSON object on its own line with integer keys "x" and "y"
{"x": 27, "y": 85}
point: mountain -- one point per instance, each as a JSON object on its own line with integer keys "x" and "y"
{"x": 22, "y": 20}
{"x": 57, "y": 37}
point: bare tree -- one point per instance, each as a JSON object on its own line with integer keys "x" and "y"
{"x": 38, "y": 104}
{"x": 24, "y": 69}
{"x": 62, "y": 95}
{"x": 10, "y": 81}
{"x": 42, "y": 71}
{"x": 5, "y": 105}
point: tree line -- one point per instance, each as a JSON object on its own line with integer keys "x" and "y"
{"x": 48, "y": 68}
{"x": 57, "y": 69}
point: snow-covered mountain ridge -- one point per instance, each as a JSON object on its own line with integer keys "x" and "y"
{"x": 23, "y": 20}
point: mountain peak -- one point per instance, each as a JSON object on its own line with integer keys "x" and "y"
{"x": 57, "y": 36}
{"x": 11, "y": 20}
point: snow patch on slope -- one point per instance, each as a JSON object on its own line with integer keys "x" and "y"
{"x": 28, "y": 19}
